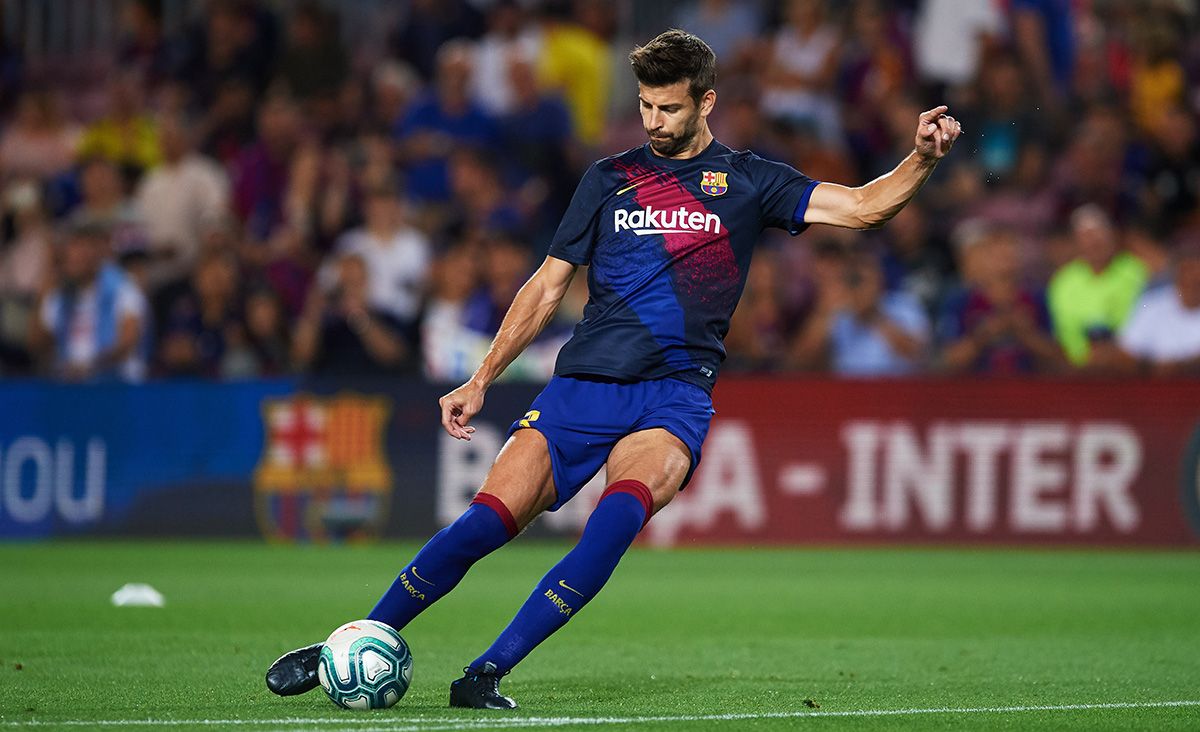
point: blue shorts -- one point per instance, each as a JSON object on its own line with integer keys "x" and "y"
{"x": 583, "y": 419}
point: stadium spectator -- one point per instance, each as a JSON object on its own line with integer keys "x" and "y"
{"x": 1022, "y": 203}
{"x": 91, "y": 324}
{"x": 176, "y": 200}
{"x": 858, "y": 328}
{"x": 39, "y": 143}
{"x": 1091, "y": 297}
{"x": 428, "y": 26}
{"x": 234, "y": 44}
{"x": 951, "y": 39}
{"x": 505, "y": 267}
{"x": 143, "y": 49}
{"x": 299, "y": 163}
{"x": 914, "y": 261}
{"x": 317, "y": 199}
{"x": 758, "y": 330}
{"x": 800, "y": 69}
{"x": 575, "y": 63}
{"x": 24, "y": 271}
{"x": 441, "y": 123}
{"x": 260, "y": 172}
{"x": 1097, "y": 165}
{"x": 480, "y": 196}
{"x": 396, "y": 255}
{"x": 536, "y": 135}
{"x": 267, "y": 334}
{"x": 289, "y": 267}
{"x": 104, "y": 200}
{"x": 127, "y": 136}
{"x": 729, "y": 28}
{"x": 1044, "y": 34}
{"x": 995, "y": 326}
{"x": 875, "y": 67}
{"x": 393, "y": 87}
{"x": 510, "y": 38}
{"x": 744, "y": 127}
{"x": 25, "y": 257}
{"x": 227, "y": 125}
{"x": 204, "y": 320}
{"x": 1158, "y": 82}
{"x": 313, "y": 64}
{"x": 448, "y": 349}
{"x": 1172, "y": 175}
{"x": 1162, "y": 336}
{"x": 341, "y": 334}
{"x": 1005, "y": 125}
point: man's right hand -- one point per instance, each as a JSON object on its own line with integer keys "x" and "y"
{"x": 459, "y": 406}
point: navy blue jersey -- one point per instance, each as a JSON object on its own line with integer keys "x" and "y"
{"x": 668, "y": 243}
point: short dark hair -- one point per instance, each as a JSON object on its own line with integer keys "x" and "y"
{"x": 676, "y": 56}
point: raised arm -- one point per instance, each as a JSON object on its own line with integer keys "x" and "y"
{"x": 532, "y": 308}
{"x": 872, "y": 205}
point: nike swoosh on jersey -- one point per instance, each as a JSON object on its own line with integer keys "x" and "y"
{"x": 633, "y": 185}
{"x": 414, "y": 571}
{"x": 563, "y": 584}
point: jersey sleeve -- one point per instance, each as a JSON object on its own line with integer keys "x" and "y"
{"x": 579, "y": 229}
{"x": 784, "y": 193}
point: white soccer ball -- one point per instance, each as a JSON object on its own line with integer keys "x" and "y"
{"x": 365, "y": 665}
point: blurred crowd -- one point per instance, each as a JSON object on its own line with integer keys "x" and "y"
{"x": 252, "y": 194}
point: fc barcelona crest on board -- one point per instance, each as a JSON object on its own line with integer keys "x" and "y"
{"x": 323, "y": 475}
{"x": 714, "y": 183}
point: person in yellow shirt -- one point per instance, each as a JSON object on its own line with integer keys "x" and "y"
{"x": 1090, "y": 297}
{"x": 575, "y": 62}
{"x": 1157, "y": 79}
{"x": 127, "y": 136}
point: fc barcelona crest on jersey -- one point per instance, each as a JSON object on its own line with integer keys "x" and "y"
{"x": 714, "y": 184}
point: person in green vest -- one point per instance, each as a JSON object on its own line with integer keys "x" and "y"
{"x": 1091, "y": 296}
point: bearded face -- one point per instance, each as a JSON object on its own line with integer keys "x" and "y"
{"x": 671, "y": 117}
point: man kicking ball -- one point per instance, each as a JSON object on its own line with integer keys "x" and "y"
{"x": 668, "y": 229}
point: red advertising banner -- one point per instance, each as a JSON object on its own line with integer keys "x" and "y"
{"x": 944, "y": 461}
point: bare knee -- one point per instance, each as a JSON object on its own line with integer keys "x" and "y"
{"x": 664, "y": 490}
{"x": 522, "y": 477}
{"x": 655, "y": 458}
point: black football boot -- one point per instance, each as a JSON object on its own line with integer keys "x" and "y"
{"x": 480, "y": 690}
{"x": 295, "y": 672}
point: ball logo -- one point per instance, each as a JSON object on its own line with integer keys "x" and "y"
{"x": 714, "y": 183}
{"x": 1190, "y": 481}
{"x": 322, "y": 474}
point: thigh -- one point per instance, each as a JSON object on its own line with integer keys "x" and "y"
{"x": 655, "y": 457}
{"x": 522, "y": 476}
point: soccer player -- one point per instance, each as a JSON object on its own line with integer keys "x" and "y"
{"x": 668, "y": 229}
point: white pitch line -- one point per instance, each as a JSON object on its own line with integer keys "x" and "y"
{"x": 445, "y": 723}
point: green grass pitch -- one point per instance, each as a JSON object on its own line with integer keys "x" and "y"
{"x": 679, "y": 640}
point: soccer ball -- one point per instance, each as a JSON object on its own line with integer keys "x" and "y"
{"x": 365, "y": 665}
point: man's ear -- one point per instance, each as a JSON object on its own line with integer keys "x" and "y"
{"x": 707, "y": 102}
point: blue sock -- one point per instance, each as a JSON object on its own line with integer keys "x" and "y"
{"x": 621, "y": 513}
{"x": 483, "y": 528}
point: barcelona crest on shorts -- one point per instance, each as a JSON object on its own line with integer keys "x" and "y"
{"x": 714, "y": 184}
